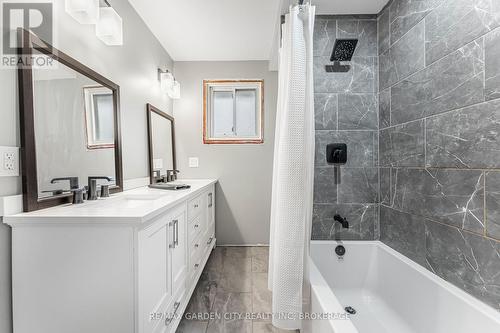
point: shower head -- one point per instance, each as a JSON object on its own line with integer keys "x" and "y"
{"x": 343, "y": 49}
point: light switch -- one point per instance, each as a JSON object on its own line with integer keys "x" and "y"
{"x": 193, "y": 162}
{"x": 10, "y": 161}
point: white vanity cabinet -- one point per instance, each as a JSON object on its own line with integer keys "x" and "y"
{"x": 162, "y": 270}
{"x": 129, "y": 263}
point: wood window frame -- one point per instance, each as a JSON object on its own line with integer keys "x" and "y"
{"x": 206, "y": 136}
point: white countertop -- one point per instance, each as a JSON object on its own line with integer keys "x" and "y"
{"x": 129, "y": 207}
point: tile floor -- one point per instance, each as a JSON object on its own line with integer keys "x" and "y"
{"x": 233, "y": 281}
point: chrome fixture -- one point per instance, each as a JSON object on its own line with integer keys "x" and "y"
{"x": 73, "y": 182}
{"x": 92, "y": 186}
{"x": 171, "y": 176}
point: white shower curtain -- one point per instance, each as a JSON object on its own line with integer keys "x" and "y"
{"x": 293, "y": 170}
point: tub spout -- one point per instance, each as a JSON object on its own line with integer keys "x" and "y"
{"x": 342, "y": 221}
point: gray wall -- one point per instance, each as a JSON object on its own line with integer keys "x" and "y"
{"x": 439, "y": 138}
{"x": 244, "y": 171}
{"x": 133, "y": 66}
{"x": 346, "y": 111}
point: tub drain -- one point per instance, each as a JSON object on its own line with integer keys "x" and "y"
{"x": 350, "y": 310}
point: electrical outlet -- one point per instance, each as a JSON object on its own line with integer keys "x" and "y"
{"x": 10, "y": 166}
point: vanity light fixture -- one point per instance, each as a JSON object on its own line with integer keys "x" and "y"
{"x": 169, "y": 84}
{"x": 175, "y": 91}
{"x": 109, "y": 26}
{"x": 83, "y": 11}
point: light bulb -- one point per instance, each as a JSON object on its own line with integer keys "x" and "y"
{"x": 109, "y": 27}
{"x": 83, "y": 11}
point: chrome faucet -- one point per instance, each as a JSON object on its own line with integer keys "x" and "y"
{"x": 171, "y": 175}
{"x": 92, "y": 186}
{"x": 73, "y": 182}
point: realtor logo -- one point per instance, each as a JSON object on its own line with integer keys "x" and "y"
{"x": 36, "y": 17}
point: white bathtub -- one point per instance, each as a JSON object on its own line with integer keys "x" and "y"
{"x": 390, "y": 293}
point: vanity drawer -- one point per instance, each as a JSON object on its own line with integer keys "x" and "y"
{"x": 195, "y": 265}
{"x": 195, "y": 207}
{"x": 196, "y": 246}
{"x": 196, "y": 251}
{"x": 195, "y": 227}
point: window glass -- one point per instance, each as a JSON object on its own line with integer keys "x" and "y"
{"x": 246, "y": 113}
{"x": 223, "y": 113}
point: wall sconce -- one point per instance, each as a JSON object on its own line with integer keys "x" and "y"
{"x": 83, "y": 11}
{"x": 109, "y": 27}
{"x": 169, "y": 84}
{"x": 175, "y": 91}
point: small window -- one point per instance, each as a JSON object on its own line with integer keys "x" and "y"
{"x": 232, "y": 111}
{"x": 99, "y": 118}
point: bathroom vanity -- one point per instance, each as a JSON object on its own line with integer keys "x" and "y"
{"x": 128, "y": 263}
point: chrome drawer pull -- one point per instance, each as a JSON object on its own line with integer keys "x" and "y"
{"x": 195, "y": 206}
{"x": 172, "y": 246}
{"x": 210, "y": 240}
{"x": 196, "y": 225}
{"x": 196, "y": 265}
{"x": 196, "y": 245}
{"x": 176, "y": 223}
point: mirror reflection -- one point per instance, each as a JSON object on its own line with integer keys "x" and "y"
{"x": 74, "y": 129}
{"x": 162, "y": 145}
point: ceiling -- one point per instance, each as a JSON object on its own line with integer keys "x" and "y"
{"x": 229, "y": 30}
{"x": 197, "y": 30}
{"x": 342, "y": 7}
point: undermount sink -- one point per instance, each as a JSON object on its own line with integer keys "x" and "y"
{"x": 143, "y": 197}
{"x": 124, "y": 201}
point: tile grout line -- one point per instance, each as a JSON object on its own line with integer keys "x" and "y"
{"x": 435, "y": 61}
{"x": 485, "y": 217}
{"x": 442, "y": 113}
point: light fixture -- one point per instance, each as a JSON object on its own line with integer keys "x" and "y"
{"x": 175, "y": 91}
{"x": 84, "y": 11}
{"x": 169, "y": 84}
{"x": 109, "y": 27}
{"x": 166, "y": 79}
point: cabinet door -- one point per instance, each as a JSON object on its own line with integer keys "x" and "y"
{"x": 179, "y": 249}
{"x": 155, "y": 280}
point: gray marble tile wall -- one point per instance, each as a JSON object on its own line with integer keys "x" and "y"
{"x": 439, "y": 132}
{"x": 346, "y": 110}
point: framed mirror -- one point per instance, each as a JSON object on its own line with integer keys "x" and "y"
{"x": 161, "y": 132}
{"x": 70, "y": 126}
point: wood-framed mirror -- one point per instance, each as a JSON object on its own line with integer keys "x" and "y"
{"x": 70, "y": 125}
{"x": 161, "y": 138}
